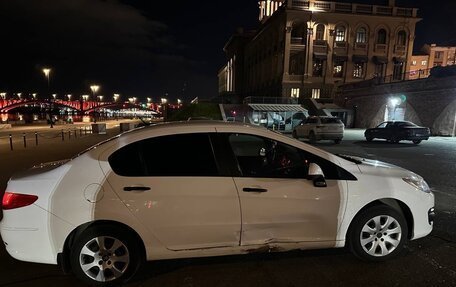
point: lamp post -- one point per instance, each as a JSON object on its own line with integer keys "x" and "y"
{"x": 94, "y": 89}
{"x": 47, "y": 74}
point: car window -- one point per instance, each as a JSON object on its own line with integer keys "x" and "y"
{"x": 174, "y": 155}
{"x": 389, "y": 125}
{"x": 382, "y": 125}
{"x": 405, "y": 124}
{"x": 311, "y": 121}
{"x": 330, "y": 121}
{"x": 261, "y": 157}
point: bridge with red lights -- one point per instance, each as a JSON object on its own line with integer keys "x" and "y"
{"x": 86, "y": 107}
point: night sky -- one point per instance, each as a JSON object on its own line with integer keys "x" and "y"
{"x": 143, "y": 48}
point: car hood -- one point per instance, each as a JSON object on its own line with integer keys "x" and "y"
{"x": 375, "y": 167}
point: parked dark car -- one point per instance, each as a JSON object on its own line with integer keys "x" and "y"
{"x": 396, "y": 131}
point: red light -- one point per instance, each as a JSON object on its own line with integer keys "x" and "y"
{"x": 16, "y": 200}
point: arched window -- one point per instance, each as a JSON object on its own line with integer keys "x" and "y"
{"x": 381, "y": 36}
{"x": 361, "y": 35}
{"x": 320, "y": 32}
{"x": 401, "y": 38}
{"x": 340, "y": 33}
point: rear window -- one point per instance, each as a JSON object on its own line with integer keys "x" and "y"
{"x": 330, "y": 121}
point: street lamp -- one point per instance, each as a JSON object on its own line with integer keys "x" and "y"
{"x": 19, "y": 95}
{"x": 34, "y": 96}
{"x": 116, "y": 97}
{"x": 54, "y": 96}
{"x": 69, "y": 97}
{"x": 3, "y": 96}
{"x": 100, "y": 98}
{"x": 179, "y": 101}
{"x": 47, "y": 74}
{"x": 94, "y": 89}
{"x": 85, "y": 97}
{"x": 164, "y": 100}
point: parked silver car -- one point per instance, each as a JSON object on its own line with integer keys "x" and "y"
{"x": 320, "y": 128}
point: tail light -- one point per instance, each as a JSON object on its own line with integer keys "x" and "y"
{"x": 16, "y": 200}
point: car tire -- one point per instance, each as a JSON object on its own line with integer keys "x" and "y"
{"x": 369, "y": 139}
{"x": 378, "y": 233}
{"x": 312, "y": 137}
{"x": 113, "y": 263}
{"x": 337, "y": 141}
{"x": 295, "y": 134}
{"x": 416, "y": 141}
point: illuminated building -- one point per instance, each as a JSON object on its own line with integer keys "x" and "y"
{"x": 305, "y": 48}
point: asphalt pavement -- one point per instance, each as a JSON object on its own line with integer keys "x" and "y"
{"x": 430, "y": 261}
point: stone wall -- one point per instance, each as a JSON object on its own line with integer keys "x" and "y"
{"x": 429, "y": 102}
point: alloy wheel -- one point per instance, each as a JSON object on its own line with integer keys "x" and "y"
{"x": 380, "y": 235}
{"x": 104, "y": 258}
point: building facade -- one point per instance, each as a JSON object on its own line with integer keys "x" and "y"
{"x": 431, "y": 56}
{"x": 305, "y": 48}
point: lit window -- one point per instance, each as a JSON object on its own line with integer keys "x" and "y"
{"x": 438, "y": 54}
{"x": 295, "y": 92}
{"x": 317, "y": 70}
{"x": 358, "y": 70}
{"x": 361, "y": 35}
{"x": 315, "y": 93}
{"x": 414, "y": 63}
{"x": 338, "y": 71}
{"x": 423, "y": 63}
{"x": 340, "y": 34}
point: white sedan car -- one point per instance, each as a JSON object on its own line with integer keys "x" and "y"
{"x": 320, "y": 128}
{"x": 201, "y": 188}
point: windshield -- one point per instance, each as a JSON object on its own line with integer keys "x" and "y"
{"x": 330, "y": 121}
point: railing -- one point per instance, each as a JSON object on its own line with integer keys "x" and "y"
{"x": 361, "y": 46}
{"x": 399, "y": 49}
{"x": 329, "y": 6}
{"x": 381, "y": 48}
{"x": 270, "y": 100}
{"x": 297, "y": 41}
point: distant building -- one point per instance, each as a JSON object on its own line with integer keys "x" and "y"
{"x": 305, "y": 48}
{"x": 431, "y": 56}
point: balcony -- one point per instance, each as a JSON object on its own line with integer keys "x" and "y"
{"x": 297, "y": 41}
{"x": 381, "y": 48}
{"x": 399, "y": 49}
{"x": 352, "y": 8}
{"x": 361, "y": 46}
{"x": 320, "y": 46}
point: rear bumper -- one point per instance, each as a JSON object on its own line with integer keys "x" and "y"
{"x": 27, "y": 235}
{"x": 330, "y": 136}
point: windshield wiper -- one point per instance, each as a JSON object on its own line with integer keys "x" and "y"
{"x": 350, "y": 158}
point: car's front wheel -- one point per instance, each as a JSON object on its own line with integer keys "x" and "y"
{"x": 105, "y": 255}
{"x": 378, "y": 233}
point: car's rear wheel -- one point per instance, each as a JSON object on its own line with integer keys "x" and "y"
{"x": 369, "y": 139}
{"x": 312, "y": 137}
{"x": 378, "y": 233}
{"x": 416, "y": 141}
{"x": 295, "y": 134}
{"x": 105, "y": 255}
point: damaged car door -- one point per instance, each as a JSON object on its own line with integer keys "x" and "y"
{"x": 280, "y": 201}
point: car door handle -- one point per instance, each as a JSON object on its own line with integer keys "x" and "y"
{"x": 254, "y": 189}
{"x": 136, "y": 188}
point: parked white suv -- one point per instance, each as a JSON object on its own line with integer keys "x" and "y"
{"x": 320, "y": 128}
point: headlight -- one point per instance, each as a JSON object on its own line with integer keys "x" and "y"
{"x": 417, "y": 182}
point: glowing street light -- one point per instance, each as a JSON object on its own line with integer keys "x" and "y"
{"x": 54, "y": 96}
{"x": 34, "y": 95}
{"x": 100, "y": 98}
{"x": 85, "y": 97}
{"x": 47, "y": 74}
{"x": 94, "y": 89}
{"x": 69, "y": 97}
{"x": 179, "y": 101}
{"x": 134, "y": 100}
{"x": 149, "y": 100}
{"x": 19, "y": 95}
{"x": 3, "y": 95}
{"x": 164, "y": 100}
{"x": 116, "y": 97}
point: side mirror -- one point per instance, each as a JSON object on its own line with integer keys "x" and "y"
{"x": 316, "y": 175}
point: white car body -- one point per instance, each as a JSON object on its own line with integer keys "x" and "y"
{"x": 318, "y": 128}
{"x": 200, "y": 216}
